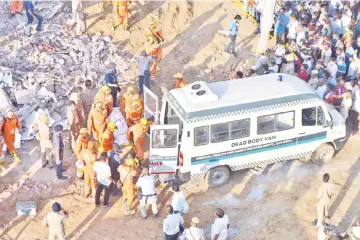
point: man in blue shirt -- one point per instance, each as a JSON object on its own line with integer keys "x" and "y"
{"x": 112, "y": 82}
{"x": 233, "y": 31}
{"x": 30, "y": 13}
{"x": 58, "y": 144}
{"x": 146, "y": 64}
{"x": 283, "y": 21}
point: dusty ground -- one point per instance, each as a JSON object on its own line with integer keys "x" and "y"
{"x": 278, "y": 204}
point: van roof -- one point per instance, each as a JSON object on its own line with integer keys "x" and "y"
{"x": 241, "y": 94}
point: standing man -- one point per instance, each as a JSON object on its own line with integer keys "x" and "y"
{"x": 87, "y": 99}
{"x": 137, "y": 134}
{"x": 323, "y": 199}
{"x": 154, "y": 50}
{"x": 31, "y": 14}
{"x": 97, "y": 121}
{"x": 179, "y": 202}
{"x": 46, "y": 146}
{"x": 112, "y": 82}
{"x": 89, "y": 158}
{"x": 146, "y": 183}
{"x": 74, "y": 124}
{"x": 283, "y": 21}
{"x": 122, "y": 12}
{"x": 194, "y": 232}
{"x": 127, "y": 99}
{"x": 55, "y": 222}
{"x": 154, "y": 32}
{"x": 80, "y": 145}
{"x": 75, "y": 96}
{"x": 58, "y": 143}
{"x": 146, "y": 65}
{"x": 105, "y": 98}
{"x": 78, "y": 16}
{"x": 102, "y": 172}
{"x": 233, "y": 31}
{"x": 135, "y": 113}
{"x": 8, "y": 130}
{"x": 172, "y": 223}
{"x": 180, "y": 82}
{"x": 16, "y": 6}
{"x": 107, "y": 140}
{"x": 127, "y": 174}
{"x": 220, "y": 226}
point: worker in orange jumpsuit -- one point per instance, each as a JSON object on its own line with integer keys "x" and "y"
{"x": 105, "y": 98}
{"x": 137, "y": 134}
{"x": 153, "y": 31}
{"x": 180, "y": 82}
{"x": 89, "y": 158}
{"x": 74, "y": 123}
{"x": 154, "y": 50}
{"x": 80, "y": 146}
{"x": 97, "y": 121}
{"x": 134, "y": 113}
{"x": 107, "y": 140}
{"x": 75, "y": 96}
{"x": 1, "y": 154}
{"x": 127, "y": 99}
{"x": 122, "y": 12}
{"x": 8, "y": 127}
{"x": 128, "y": 172}
{"x": 16, "y": 6}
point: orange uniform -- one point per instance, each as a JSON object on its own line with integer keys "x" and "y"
{"x": 90, "y": 184}
{"x": 8, "y": 127}
{"x": 128, "y": 99}
{"x": 122, "y": 11}
{"x": 154, "y": 50}
{"x": 107, "y": 141}
{"x": 180, "y": 83}
{"x": 80, "y": 145}
{"x": 76, "y": 97}
{"x": 97, "y": 123}
{"x": 154, "y": 32}
{"x": 16, "y": 6}
{"x": 127, "y": 175}
{"x": 135, "y": 116}
{"x": 106, "y": 100}
{"x": 138, "y": 133}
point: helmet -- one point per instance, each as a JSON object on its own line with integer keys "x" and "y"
{"x": 105, "y": 88}
{"x": 179, "y": 75}
{"x": 144, "y": 122}
{"x": 91, "y": 145}
{"x": 10, "y": 113}
{"x": 129, "y": 162}
{"x": 79, "y": 164}
{"x": 135, "y": 104}
{"x": 152, "y": 23}
{"x": 83, "y": 131}
{"x": 111, "y": 126}
{"x": 182, "y": 84}
{"x": 99, "y": 105}
{"x": 43, "y": 117}
{"x": 130, "y": 89}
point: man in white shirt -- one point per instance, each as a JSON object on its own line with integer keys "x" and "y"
{"x": 147, "y": 185}
{"x": 314, "y": 81}
{"x": 220, "y": 226}
{"x": 194, "y": 232}
{"x": 293, "y": 25}
{"x": 172, "y": 223}
{"x": 102, "y": 172}
{"x": 321, "y": 90}
{"x": 178, "y": 202}
{"x": 332, "y": 67}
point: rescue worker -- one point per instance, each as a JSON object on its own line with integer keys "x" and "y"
{"x": 8, "y": 127}
{"x": 80, "y": 145}
{"x": 180, "y": 82}
{"x": 44, "y": 138}
{"x": 1, "y": 154}
{"x": 112, "y": 82}
{"x": 135, "y": 113}
{"x": 87, "y": 99}
{"x": 75, "y": 96}
{"x": 137, "y": 134}
{"x": 107, "y": 140}
{"x": 127, "y": 100}
{"x": 127, "y": 173}
{"x": 89, "y": 158}
{"x": 16, "y": 6}
{"x": 97, "y": 121}
{"x": 324, "y": 195}
{"x": 146, "y": 183}
{"x": 153, "y": 31}
{"x": 154, "y": 50}
{"x": 74, "y": 124}
{"x": 105, "y": 98}
{"x": 122, "y": 12}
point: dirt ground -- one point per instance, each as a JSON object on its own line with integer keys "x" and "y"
{"x": 277, "y": 204}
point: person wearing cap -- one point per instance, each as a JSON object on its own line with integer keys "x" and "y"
{"x": 314, "y": 80}
{"x": 107, "y": 139}
{"x": 127, "y": 99}
{"x": 154, "y": 50}
{"x": 194, "y": 232}
{"x": 74, "y": 124}
{"x": 122, "y": 12}
{"x": 9, "y": 125}
{"x": 75, "y": 96}
{"x": 180, "y": 82}
{"x": 179, "y": 202}
{"x": 233, "y": 31}
{"x": 58, "y": 144}
{"x": 153, "y": 31}
{"x": 146, "y": 183}
{"x": 88, "y": 156}
{"x": 220, "y": 226}
{"x": 105, "y": 98}
{"x": 55, "y": 222}
{"x": 112, "y": 82}
{"x": 46, "y": 146}
{"x": 134, "y": 113}
{"x": 80, "y": 146}
{"x": 87, "y": 99}
{"x": 97, "y": 121}
{"x": 172, "y": 224}
{"x": 146, "y": 64}
{"x": 137, "y": 134}
{"x": 128, "y": 173}
{"x": 102, "y": 173}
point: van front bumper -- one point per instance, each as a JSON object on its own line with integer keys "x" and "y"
{"x": 339, "y": 143}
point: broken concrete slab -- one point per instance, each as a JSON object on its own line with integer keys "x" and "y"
{"x": 23, "y": 96}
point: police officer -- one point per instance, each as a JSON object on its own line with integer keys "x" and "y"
{"x": 146, "y": 183}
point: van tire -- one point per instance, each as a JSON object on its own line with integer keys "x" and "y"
{"x": 323, "y": 154}
{"x": 218, "y": 176}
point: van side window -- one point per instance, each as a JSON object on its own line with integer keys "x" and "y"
{"x": 320, "y": 116}
{"x": 201, "y": 135}
{"x": 164, "y": 138}
{"x": 230, "y": 130}
{"x": 276, "y": 122}
{"x": 313, "y": 116}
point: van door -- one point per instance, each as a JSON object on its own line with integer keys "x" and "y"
{"x": 163, "y": 156}
{"x": 151, "y": 105}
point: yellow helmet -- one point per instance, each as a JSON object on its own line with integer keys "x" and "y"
{"x": 152, "y": 23}
{"x": 130, "y": 89}
{"x": 135, "y": 104}
{"x": 111, "y": 126}
{"x": 99, "y": 105}
{"x": 144, "y": 122}
{"x": 43, "y": 117}
{"x": 83, "y": 131}
{"x": 105, "y": 88}
{"x": 129, "y": 162}
{"x": 151, "y": 39}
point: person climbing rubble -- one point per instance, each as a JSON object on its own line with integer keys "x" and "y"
{"x": 122, "y": 14}
{"x": 104, "y": 96}
{"x": 97, "y": 121}
{"x": 31, "y": 14}
{"x": 81, "y": 145}
{"x": 136, "y": 135}
{"x": 8, "y": 130}
{"x": 153, "y": 31}
{"x": 89, "y": 159}
{"x": 107, "y": 139}
{"x": 154, "y": 50}
{"x": 44, "y": 137}
{"x": 74, "y": 124}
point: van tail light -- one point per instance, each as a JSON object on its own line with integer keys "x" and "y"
{"x": 181, "y": 159}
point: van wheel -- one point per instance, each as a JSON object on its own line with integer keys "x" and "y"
{"x": 323, "y": 154}
{"x": 218, "y": 176}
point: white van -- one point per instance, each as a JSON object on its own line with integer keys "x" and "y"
{"x": 210, "y": 129}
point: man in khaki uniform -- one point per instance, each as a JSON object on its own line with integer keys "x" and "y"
{"x": 87, "y": 99}
{"x": 75, "y": 96}
{"x": 324, "y": 195}
{"x": 55, "y": 222}
{"x": 44, "y": 138}
{"x": 74, "y": 123}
